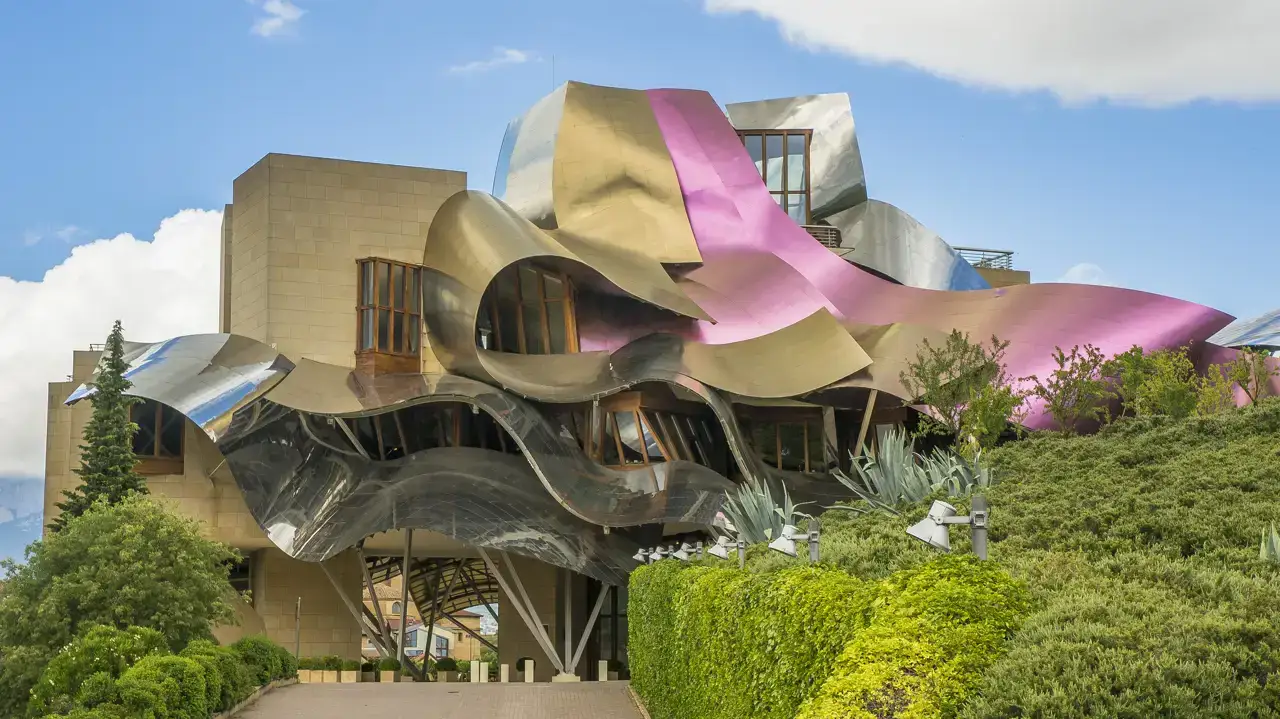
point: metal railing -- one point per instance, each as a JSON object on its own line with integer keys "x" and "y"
{"x": 826, "y": 234}
{"x": 993, "y": 259}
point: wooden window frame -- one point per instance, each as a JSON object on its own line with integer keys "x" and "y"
{"x": 570, "y": 314}
{"x": 810, "y": 420}
{"x": 156, "y": 463}
{"x": 410, "y": 310}
{"x": 808, "y": 166}
{"x": 656, "y": 418}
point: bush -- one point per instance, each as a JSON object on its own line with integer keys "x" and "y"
{"x": 235, "y": 681}
{"x": 387, "y": 664}
{"x": 288, "y": 663}
{"x": 366, "y": 667}
{"x": 164, "y": 688}
{"x": 446, "y": 664}
{"x": 261, "y": 656}
{"x": 308, "y": 663}
{"x": 101, "y": 653}
{"x": 709, "y": 642}
{"x": 131, "y": 564}
{"x": 350, "y": 665}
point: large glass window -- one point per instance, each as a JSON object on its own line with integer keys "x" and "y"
{"x": 782, "y": 159}
{"x": 528, "y": 310}
{"x": 158, "y": 441}
{"x": 624, "y": 433}
{"x": 793, "y": 443}
{"x": 389, "y": 315}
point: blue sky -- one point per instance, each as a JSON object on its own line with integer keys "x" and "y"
{"x": 120, "y": 114}
{"x": 1138, "y": 138}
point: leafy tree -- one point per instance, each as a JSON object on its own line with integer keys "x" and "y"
{"x": 1251, "y": 371}
{"x": 947, "y": 378}
{"x": 106, "y": 457}
{"x": 123, "y": 565}
{"x": 1127, "y": 370}
{"x": 1162, "y": 382}
{"x": 1216, "y": 393}
{"x": 1076, "y": 391}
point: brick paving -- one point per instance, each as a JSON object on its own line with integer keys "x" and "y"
{"x": 588, "y": 700}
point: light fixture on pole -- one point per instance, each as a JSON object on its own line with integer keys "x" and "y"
{"x": 683, "y": 553}
{"x": 720, "y": 550}
{"x": 659, "y": 552}
{"x": 641, "y": 555}
{"x": 934, "y": 530}
{"x": 786, "y": 541}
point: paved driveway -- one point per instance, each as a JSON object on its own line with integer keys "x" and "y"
{"x": 588, "y": 700}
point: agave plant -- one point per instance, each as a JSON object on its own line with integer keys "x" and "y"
{"x": 1270, "y": 545}
{"x": 896, "y": 474}
{"x": 754, "y": 513}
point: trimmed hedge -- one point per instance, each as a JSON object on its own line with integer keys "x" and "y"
{"x": 117, "y": 674}
{"x": 715, "y": 643}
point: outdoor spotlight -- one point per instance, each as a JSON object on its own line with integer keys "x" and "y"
{"x": 683, "y": 553}
{"x": 641, "y": 555}
{"x": 658, "y": 553}
{"x": 786, "y": 542}
{"x": 934, "y": 530}
{"x": 720, "y": 550}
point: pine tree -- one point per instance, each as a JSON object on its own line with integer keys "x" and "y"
{"x": 106, "y": 457}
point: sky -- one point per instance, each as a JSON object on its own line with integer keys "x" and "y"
{"x": 1120, "y": 143}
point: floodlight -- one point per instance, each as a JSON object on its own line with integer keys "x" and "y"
{"x": 683, "y": 553}
{"x": 931, "y": 529}
{"x": 657, "y": 554}
{"x": 641, "y": 555}
{"x": 786, "y": 542}
{"x": 720, "y": 550}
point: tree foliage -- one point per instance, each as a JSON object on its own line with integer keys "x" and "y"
{"x": 106, "y": 458}
{"x": 132, "y": 564}
{"x": 1252, "y": 372}
{"x": 966, "y": 388}
{"x": 1077, "y": 390}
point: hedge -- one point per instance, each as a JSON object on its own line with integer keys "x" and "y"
{"x": 110, "y": 673}
{"x": 716, "y": 643}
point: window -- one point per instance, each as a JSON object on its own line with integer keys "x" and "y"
{"x": 394, "y": 434}
{"x": 794, "y": 443}
{"x": 782, "y": 159}
{"x": 395, "y": 608}
{"x": 158, "y": 441}
{"x": 626, "y": 434}
{"x": 241, "y": 577}
{"x": 390, "y": 310}
{"x": 442, "y": 647}
{"x": 528, "y": 310}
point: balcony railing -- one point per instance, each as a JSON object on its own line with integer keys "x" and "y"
{"x": 992, "y": 259}
{"x": 826, "y": 234}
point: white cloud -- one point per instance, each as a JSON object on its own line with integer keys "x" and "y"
{"x": 281, "y": 16}
{"x": 158, "y": 289}
{"x": 1148, "y": 52}
{"x": 67, "y": 233}
{"x": 501, "y": 56}
{"x": 1086, "y": 273}
{"x": 31, "y": 238}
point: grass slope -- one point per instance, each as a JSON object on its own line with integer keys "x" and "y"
{"x": 1140, "y": 546}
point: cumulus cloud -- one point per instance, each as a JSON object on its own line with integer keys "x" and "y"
{"x": 160, "y": 288}
{"x": 1086, "y": 273}
{"x": 501, "y": 56}
{"x": 1148, "y": 52}
{"x": 279, "y": 16}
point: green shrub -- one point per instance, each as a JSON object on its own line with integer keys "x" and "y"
{"x": 106, "y": 711}
{"x": 368, "y": 666}
{"x": 212, "y": 676}
{"x": 350, "y": 665}
{"x": 235, "y": 680}
{"x": 288, "y": 663}
{"x": 100, "y": 649}
{"x": 387, "y": 664}
{"x": 262, "y": 656}
{"x": 331, "y": 663}
{"x": 308, "y": 663}
{"x": 446, "y": 664}
{"x": 164, "y": 687}
{"x": 924, "y": 652}
{"x": 711, "y": 642}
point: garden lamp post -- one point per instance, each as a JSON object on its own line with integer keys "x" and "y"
{"x": 934, "y": 529}
{"x": 786, "y": 541}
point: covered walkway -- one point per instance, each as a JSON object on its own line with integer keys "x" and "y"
{"x": 587, "y": 700}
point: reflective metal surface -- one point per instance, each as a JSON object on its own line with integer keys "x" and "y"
{"x": 884, "y": 239}
{"x": 722, "y": 187}
{"x": 205, "y": 377}
{"x": 1261, "y": 331}
{"x": 835, "y": 163}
